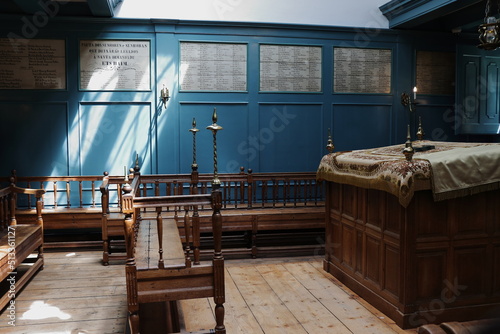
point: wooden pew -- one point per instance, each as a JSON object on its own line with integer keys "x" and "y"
{"x": 265, "y": 213}
{"x": 159, "y": 267}
{"x": 71, "y": 207}
{"x": 18, "y": 242}
{"x": 286, "y": 205}
{"x": 112, "y": 217}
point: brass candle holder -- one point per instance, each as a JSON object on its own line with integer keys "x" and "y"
{"x": 407, "y": 101}
{"x": 214, "y": 127}
{"x": 408, "y": 151}
{"x": 194, "y": 130}
{"x": 329, "y": 146}
{"x": 411, "y": 104}
{"x": 420, "y": 130}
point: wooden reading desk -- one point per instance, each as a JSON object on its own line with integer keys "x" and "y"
{"x": 419, "y": 239}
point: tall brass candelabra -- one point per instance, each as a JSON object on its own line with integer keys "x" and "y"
{"x": 193, "y": 130}
{"x": 214, "y": 127}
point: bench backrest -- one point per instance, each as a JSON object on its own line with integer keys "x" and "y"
{"x": 239, "y": 190}
{"x": 242, "y": 190}
{"x": 133, "y": 202}
{"x": 8, "y": 204}
{"x": 61, "y": 191}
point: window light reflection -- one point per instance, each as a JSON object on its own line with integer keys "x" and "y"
{"x": 40, "y": 310}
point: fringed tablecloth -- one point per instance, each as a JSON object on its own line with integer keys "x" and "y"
{"x": 449, "y": 169}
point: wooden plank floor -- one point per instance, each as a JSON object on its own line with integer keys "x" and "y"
{"x": 76, "y": 294}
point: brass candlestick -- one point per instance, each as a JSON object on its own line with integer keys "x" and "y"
{"x": 194, "y": 165}
{"x": 408, "y": 151}
{"x": 214, "y": 127}
{"x": 329, "y": 146}
{"x": 420, "y": 130}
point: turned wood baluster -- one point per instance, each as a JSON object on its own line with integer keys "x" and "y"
{"x": 39, "y": 221}
{"x": 13, "y": 203}
{"x": 3, "y": 213}
{"x": 159, "y": 226}
{"x": 55, "y": 193}
{"x": 250, "y": 192}
{"x": 187, "y": 232}
{"x": 68, "y": 195}
{"x": 130, "y": 230}
{"x": 195, "y": 219}
{"x": 105, "y": 212}
{"x": 218, "y": 262}
{"x": 93, "y": 194}
{"x": 80, "y": 191}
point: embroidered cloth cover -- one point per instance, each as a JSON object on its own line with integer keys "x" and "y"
{"x": 450, "y": 169}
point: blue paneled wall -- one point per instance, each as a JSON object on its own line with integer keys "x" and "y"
{"x": 77, "y": 132}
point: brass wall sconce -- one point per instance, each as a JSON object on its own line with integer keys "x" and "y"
{"x": 407, "y": 101}
{"x": 164, "y": 96}
{"x": 411, "y": 104}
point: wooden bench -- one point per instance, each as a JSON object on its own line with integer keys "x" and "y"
{"x": 18, "y": 242}
{"x": 265, "y": 213}
{"x": 262, "y": 206}
{"x": 160, "y": 268}
{"x": 71, "y": 206}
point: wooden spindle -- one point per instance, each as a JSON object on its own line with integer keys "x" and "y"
{"x": 80, "y": 191}
{"x": 68, "y": 195}
{"x": 159, "y": 227}
{"x": 55, "y": 194}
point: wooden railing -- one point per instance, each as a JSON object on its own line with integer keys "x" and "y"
{"x": 62, "y": 191}
{"x": 254, "y": 202}
{"x": 242, "y": 190}
{"x": 19, "y": 241}
{"x": 168, "y": 272}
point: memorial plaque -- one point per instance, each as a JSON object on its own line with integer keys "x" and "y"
{"x": 436, "y": 72}
{"x": 362, "y": 71}
{"x": 290, "y": 68}
{"x": 115, "y": 65}
{"x": 32, "y": 64}
{"x": 207, "y": 66}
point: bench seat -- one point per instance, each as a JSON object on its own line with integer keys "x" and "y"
{"x": 27, "y": 240}
{"x": 147, "y": 245}
{"x": 62, "y": 218}
{"x": 18, "y": 242}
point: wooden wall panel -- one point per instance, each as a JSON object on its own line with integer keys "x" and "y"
{"x": 430, "y": 273}
{"x": 392, "y": 275}
{"x": 234, "y": 148}
{"x": 348, "y": 246}
{"x": 471, "y": 221}
{"x": 374, "y": 257}
{"x": 34, "y": 138}
{"x": 375, "y": 212}
{"x": 289, "y": 128}
{"x": 349, "y": 196}
{"x": 496, "y": 270}
{"x": 336, "y": 236}
{"x": 104, "y": 131}
{"x": 471, "y": 271}
{"x": 426, "y": 216}
{"x": 393, "y": 216}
